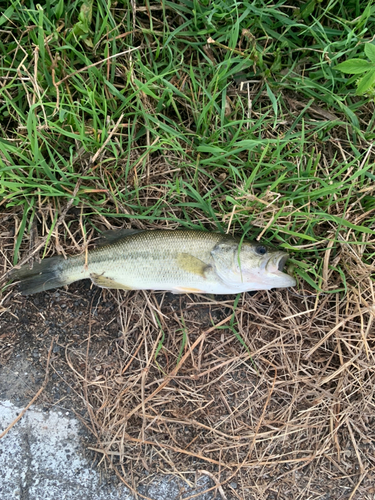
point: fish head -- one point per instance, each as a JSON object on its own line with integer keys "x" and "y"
{"x": 251, "y": 266}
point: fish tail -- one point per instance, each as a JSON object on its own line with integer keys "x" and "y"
{"x": 49, "y": 273}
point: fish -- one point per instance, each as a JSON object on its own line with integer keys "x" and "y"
{"x": 177, "y": 261}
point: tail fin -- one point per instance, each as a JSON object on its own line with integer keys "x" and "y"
{"x": 47, "y": 274}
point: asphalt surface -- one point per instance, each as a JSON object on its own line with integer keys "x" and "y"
{"x": 41, "y": 458}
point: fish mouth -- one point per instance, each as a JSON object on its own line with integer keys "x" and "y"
{"x": 275, "y": 266}
{"x": 276, "y": 263}
{"x": 281, "y": 262}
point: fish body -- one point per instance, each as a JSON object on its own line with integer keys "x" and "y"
{"x": 182, "y": 261}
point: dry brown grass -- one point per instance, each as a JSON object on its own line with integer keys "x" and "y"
{"x": 294, "y": 419}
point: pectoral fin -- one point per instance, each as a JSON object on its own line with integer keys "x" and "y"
{"x": 105, "y": 282}
{"x": 192, "y": 264}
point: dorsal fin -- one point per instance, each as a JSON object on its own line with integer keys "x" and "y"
{"x": 111, "y": 236}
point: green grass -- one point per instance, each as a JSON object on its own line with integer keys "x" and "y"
{"x": 288, "y": 156}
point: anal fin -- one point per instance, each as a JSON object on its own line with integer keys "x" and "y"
{"x": 185, "y": 289}
{"x": 105, "y": 282}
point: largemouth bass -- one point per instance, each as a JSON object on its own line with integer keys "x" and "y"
{"x": 181, "y": 261}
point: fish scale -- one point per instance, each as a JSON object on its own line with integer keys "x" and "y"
{"x": 149, "y": 260}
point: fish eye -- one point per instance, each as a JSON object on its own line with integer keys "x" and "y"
{"x": 261, "y": 250}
